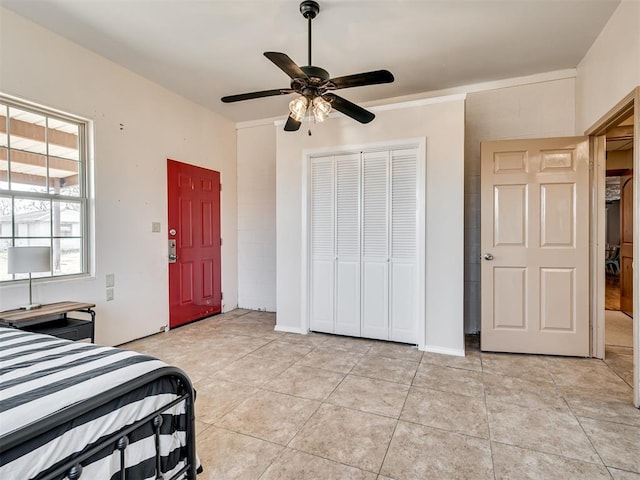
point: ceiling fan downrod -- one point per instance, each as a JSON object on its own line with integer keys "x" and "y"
{"x": 314, "y": 86}
{"x": 309, "y": 9}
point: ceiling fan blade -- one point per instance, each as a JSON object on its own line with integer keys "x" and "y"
{"x": 350, "y": 109}
{"x": 362, "y": 79}
{"x": 291, "y": 125}
{"x": 285, "y": 64}
{"x": 261, "y": 94}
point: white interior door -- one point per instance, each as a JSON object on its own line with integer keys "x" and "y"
{"x": 534, "y": 238}
{"x": 403, "y": 297}
{"x": 364, "y": 216}
{"x": 322, "y": 246}
{"x": 375, "y": 241}
{"x": 347, "y": 244}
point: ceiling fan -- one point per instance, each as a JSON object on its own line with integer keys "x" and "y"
{"x": 314, "y": 85}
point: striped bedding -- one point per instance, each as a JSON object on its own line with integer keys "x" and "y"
{"x": 45, "y": 381}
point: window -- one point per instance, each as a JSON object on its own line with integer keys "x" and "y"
{"x": 43, "y": 188}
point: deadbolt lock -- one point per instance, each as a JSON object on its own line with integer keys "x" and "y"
{"x": 173, "y": 256}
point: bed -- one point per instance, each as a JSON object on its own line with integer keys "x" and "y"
{"x": 82, "y": 411}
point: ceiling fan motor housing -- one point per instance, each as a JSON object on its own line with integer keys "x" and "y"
{"x": 317, "y": 75}
{"x": 309, "y": 9}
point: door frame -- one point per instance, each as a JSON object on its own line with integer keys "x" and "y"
{"x": 597, "y": 135}
{"x": 305, "y": 253}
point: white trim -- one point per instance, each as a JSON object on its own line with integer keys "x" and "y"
{"x": 280, "y": 328}
{"x": 597, "y": 240}
{"x": 307, "y": 155}
{"x": 442, "y": 350}
{"x": 259, "y": 122}
{"x": 636, "y": 251}
{"x": 422, "y": 242}
{"x": 43, "y": 108}
{"x": 407, "y": 101}
{"x": 362, "y": 147}
{"x": 419, "y": 102}
{"x": 305, "y": 248}
{"x": 485, "y": 86}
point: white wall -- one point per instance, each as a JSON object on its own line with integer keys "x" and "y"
{"x": 611, "y": 67}
{"x": 441, "y": 121}
{"x": 130, "y": 173}
{"x": 608, "y": 72}
{"x": 257, "y": 217}
{"x": 528, "y": 107}
{"x": 534, "y": 110}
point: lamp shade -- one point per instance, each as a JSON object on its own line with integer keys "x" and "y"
{"x": 29, "y": 259}
{"x": 298, "y": 107}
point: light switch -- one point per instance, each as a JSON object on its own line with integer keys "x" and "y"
{"x": 110, "y": 280}
{"x": 109, "y": 294}
{"x": 155, "y": 227}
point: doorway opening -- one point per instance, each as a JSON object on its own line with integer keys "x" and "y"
{"x": 614, "y": 240}
{"x": 618, "y": 199}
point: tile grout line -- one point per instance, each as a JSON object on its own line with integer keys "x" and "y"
{"x": 321, "y": 403}
{"x": 275, "y": 459}
{"x": 486, "y": 414}
{"x": 615, "y": 372}
{"x": 588, "y": 438}
{"x": 219, "y": 327}
{"x": 397, "y": 422}
{"x": 566, "y": 402}
{"x": 329, "y": 459}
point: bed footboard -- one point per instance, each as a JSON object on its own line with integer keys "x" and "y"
{"x": 81, "y": 411}
{"x": 120, "y": 441}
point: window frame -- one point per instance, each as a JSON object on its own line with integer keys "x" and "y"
{"x": 83, "y": 199}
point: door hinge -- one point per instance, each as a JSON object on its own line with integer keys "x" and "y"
{"x": 221, "y": 242}
{"x": 221, "y": 295}
{"x": 220, "y": 187}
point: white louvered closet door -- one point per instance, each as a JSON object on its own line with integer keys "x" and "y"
{"x": 403, "y": 294}
{"x": 375, "y": 239}
{"x": 364, "y": 269}
{"x": 347, "y": 292}
{"x": 322, "y": 245}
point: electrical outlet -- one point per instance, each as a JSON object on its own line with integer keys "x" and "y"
{"x": 110, "y": 295}
{"x": 155, "y": 227}
{"x": 110, "y": 280}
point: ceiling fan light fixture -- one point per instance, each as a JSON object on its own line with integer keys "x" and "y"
{"x": 314, "y": 85}
{"x": 321, "y": 109}
{"x": 298, "y": 107}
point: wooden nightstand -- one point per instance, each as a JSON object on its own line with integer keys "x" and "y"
{"x": 53, "y": 319}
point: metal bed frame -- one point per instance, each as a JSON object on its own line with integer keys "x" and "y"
{"x": 73, "y": 468}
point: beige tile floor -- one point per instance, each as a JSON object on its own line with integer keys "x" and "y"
{"x": 619, "y": 344}
{"x": 276, "y": 405}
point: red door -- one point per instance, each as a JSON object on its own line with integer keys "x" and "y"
{"x": 194, "y": 226}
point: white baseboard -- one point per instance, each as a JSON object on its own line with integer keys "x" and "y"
{"x": 444, "y": 351}
{"x": 280, "y": 328}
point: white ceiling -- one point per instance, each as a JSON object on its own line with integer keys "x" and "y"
{"x": 205, "y": 49}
